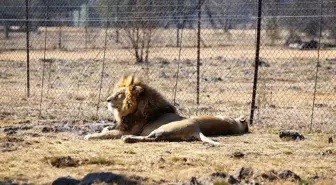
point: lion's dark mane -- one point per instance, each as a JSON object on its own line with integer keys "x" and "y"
{"x": 150, "y": 106}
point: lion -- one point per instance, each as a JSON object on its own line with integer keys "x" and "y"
{"x": 144, "y": 115}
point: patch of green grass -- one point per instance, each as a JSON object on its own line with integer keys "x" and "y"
{"x": 303, "y": 181}
{"x": 288, "y": 152}
{"x": 101, "y": 161}
{"x": 220, "y": 182}
{"x": 79, "y": 97}
{"x": 129, "y": 151}
{"x": 178, "y": 159}
{"x": 218, "y": 168}
{"x": 272, "y": 130}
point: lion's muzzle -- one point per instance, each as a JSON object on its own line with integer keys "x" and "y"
{"x": 110, "y": 106}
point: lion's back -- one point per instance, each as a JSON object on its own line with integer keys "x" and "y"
{"x": 162, "y": 120}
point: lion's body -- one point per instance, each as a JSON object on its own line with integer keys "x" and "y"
{"x": 195, "y": 128}
{"x": 143, "y": 115}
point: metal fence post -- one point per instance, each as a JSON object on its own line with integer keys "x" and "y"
{"x": 256, "y": 62}
{"x": 44, "y": 56}
{"x": 27, "y": 50}
{"x": 317, "y": 66}
{"x": 198, "y": 51}
{"x": 104, "y": 58}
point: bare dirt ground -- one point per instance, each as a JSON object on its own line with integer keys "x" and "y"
{"x": 70, "y": 93}
{"x": 167, "y": 163}
{"x": 70, "y": 88}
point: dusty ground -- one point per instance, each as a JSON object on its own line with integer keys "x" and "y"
{"x": 165, "y": 163}
{"x": 70, "y": 89}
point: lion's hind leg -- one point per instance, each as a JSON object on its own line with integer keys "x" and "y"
{"x": 162, "y": 136}
{"x": 152, "y": 137}
{"x": 205, "y": 139}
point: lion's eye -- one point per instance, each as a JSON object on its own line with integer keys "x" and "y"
{"x": 119, "y": 96}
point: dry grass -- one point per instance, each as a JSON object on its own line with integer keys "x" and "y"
{"x": 70, "y": 92}
{"x": 172, "y": 162}
{"x": 71, "y": 84}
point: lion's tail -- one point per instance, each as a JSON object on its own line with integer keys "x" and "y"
{"x": 205, "y": 139}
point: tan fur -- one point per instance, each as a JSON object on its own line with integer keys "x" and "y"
{"x": 143, "y": 115}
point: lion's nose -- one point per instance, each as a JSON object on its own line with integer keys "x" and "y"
{"x": 109, "y": 100}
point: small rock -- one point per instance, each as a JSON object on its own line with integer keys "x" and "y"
{"x": 330, "y": 140}
{"x": 46, "y": 129}
{"x": 254, "y": 183}
{"x": 47, "y": 60}
{"x": 269, "y": 175}
{"x": 164, "y": 62}
{"x": 312, "y": 44}
{"x": 99, "y": 177}
{"x": 288, "y": 174}
{"x": 63, "y": 161}
{"x": 272, "y": 106}
{"x": 15, "y": 139}
{"x": 293, "y": 135}
{"x": 206, "y": 180}
{"x": 193, "y": 181}
{"x": 8, "y": 182}
{"x": 65, "y": 181}
{"x": 262, "y": 63}
{"x": 232, "y": 180}
{"x": 213, "y": 79}
{"x": 320, "y": 105}
{"x": 331, "y": 59}
{"x": 168, "y": 152}
{"x": 26, "y": 127}
{"x": 32, "y": 134}
{"x": 10, "y": 129}
{"x": 188, "y": 62}
{"x": 243, "y": 173}
{"x": 204, "y": 108}
{"x": 182, "y": 74}
{"x": 8, "y": 146}
{"x": 327, "y": 152}
{"x": 11, "y": 132}
{"x": 213, "y": 178}
{"x": 62, "y": 128}
{"x": 295, "y": 88}
{"x": 161, "y": 160}
{"x": 163, "y": 75}
{"x": 237, "y": 155}
{"x": 218, "y": 175}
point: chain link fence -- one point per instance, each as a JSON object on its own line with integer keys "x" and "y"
{"x": 59, "y": 59}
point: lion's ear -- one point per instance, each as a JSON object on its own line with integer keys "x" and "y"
{"x": 131, "y": 80}
{"x": 242, "y": 119}
{"x": 138, "y": 89}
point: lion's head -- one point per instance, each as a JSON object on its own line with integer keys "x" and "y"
{"x": 134, "y": 103}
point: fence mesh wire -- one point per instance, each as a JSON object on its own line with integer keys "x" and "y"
{"x": 78, "y": 49}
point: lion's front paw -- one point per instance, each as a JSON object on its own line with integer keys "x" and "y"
{"x": 128, "y": 139}
{"x": 87, "y": 137}
{"x": 90, "y": 137}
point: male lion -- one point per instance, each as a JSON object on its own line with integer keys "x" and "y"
{"x": 143, "y": 115}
